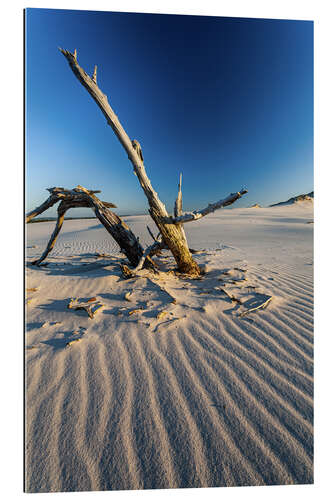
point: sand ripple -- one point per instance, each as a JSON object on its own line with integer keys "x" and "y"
{"x": 209, "y": 400}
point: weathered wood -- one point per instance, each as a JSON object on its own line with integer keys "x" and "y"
{"x": 57, "y": 194}
{"x": 171, "y": 233}
{"x": 118, "y": 229}
{"x": 195, "y": 215}
{"x": 178, "y": 208}
{"x": 260, "y": 306}
{"x": 52, "y": 200}
{"x": 149, "y": 252}
{"x": 82, "y": 197}
{"x": 90, "y": 308}
{"x": 51, "y": 243}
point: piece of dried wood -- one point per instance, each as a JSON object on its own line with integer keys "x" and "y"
{"x": 231, "y": 297}
{"x": 261, "y": 306}
{"x": 71, "y": 342}
{"x": 90, "y": 308}
{"x": 82, "y": 197}
{"x": 178, "y": 208}
{"x": 198, "y": 214}
{"x": 168, "y": 322}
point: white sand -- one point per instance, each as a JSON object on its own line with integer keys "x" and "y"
{"x": 197, "y": 397}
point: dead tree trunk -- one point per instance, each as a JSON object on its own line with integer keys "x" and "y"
{"x": 171, "y": 229}
{"x": 172, "y": 234}
{"x": 81, "y": 197}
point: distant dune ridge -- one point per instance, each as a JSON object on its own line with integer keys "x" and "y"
{"x": 256, "y": 205}
{"x": 173, "y": 383}
{"x": 296, "y": 199}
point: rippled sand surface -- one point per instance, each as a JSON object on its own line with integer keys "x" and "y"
{"x": 201, "y": 395}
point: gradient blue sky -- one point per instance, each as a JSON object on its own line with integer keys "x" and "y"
{"x": 226, "y": 101}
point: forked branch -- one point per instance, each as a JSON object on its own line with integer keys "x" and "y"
{"x": 171, "y": 229}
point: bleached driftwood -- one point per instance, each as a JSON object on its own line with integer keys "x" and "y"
{"x": 231, "y": 297}
{"x": 171, "y": 233}
{"x": 171, "y": 229}
{"x": 51, "y": 243}
{"x": 52, "y": 200}
{"x": 195, "y": 215}
{"x": 168, "y": 322}
{"x": 82, "y": 197}
{"x": 261, "y": 306}
{"x": 91, "y": 308}
{"x": 151, "y": 250}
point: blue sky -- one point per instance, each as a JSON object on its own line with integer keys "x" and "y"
{"x": 226, "y": 101}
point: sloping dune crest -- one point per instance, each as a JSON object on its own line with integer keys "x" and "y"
{"x": 186, "y": 391}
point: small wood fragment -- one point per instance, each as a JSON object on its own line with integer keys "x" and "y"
{"x": 72, "y": 342}
{"x": 231, "y": 297}
{"x": 91, "y": 309}
{"x": 168, "y": 323}
{"x": 261, "y": 306}
{"x": 128, "y": 296}
{"x": 32, "y": 289}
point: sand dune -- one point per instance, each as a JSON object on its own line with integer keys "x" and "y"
{"x": 199, "y": 396}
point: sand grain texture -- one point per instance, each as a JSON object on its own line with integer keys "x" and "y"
{"x": 186, "y": 392}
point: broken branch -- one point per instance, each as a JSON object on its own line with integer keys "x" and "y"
{"x": 82, "y": 197}
{"x": 195, "y": 215}
{"x": 261, "y": 306}
{"x": 178, "y": 208}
